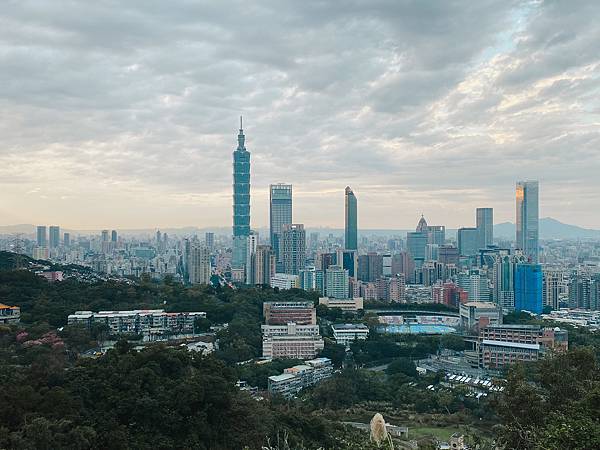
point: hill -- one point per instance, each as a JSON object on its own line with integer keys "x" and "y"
{"x": 549, "y": 229}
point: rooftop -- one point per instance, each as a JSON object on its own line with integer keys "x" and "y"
{"x": 349, "y": 326}
{"x": 282, "y": 377}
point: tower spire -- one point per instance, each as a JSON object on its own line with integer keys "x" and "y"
{"x": 241, "y": 127}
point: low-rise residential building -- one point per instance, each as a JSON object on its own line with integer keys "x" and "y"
{"x": 576, "y": 317}
{"x": 9, "y": 314}
{"x": 282, "y": 313}
{"x": 476, "y": 315}
{"x": 291, "y": 341}
{"x": 346, "y": 333}
{"x": 285, "y": 281}
{"x": 151, "y": 322}
{"x": 345, "y": 304}
{"x": 296, "y": 378}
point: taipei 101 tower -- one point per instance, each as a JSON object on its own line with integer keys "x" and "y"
{"x": 241, "y": 201}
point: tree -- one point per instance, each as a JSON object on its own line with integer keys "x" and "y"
{"x": 402, "y": 365}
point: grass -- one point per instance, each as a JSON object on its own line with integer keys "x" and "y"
{"x": 441, "y": 433}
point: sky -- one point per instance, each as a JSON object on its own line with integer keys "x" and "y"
{"x": 124, "y": 114}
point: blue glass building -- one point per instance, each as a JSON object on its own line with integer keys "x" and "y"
{"x": 351, "y": 221}
{"x": 241, "y": 201}
{"x": 528, "y": 287}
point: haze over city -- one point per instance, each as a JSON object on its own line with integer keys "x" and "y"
{"x": 126, "y": 115}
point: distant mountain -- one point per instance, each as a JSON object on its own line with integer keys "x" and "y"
{"x": 549, "y": 229}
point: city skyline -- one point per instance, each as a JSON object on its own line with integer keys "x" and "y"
{"x": 113, "y": 125}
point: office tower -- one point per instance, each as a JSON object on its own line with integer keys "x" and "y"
{"x": 404, "y": 264}
{"x": 528, "y": 288}
{"x": 251, "y": 244}
{"x": 485, "y": 226}
{"x": 209, "y": 240}
{"x": 416, "y": 244}
{"x": 468, "y": 241}
{"x": 336, "y": 282}
{"x": 293, "y": 248}
{"x": 448, "y": 254}
{"x": 351, "y": 221}
{"x": 263, "y": 265}
{"x": 504, "y": 281}
{"x": 158, "y": 237}
{"x": 432, "y": 252}
{"x": 348, "y": 259}
{"x": 436, "y": 234}
{"x": 105, "y": 236}
{"x": 556, "y": 287}
{"x": 280, "y": 212}
{"x": 241, "y": 200}
{"x": 528, "y": 218}
{"x": 476, "y": 284}
{"x": 42, "y": 239}
{"x": 386, "y": 265}
{"x": 370, "y": 267}
{"x": 67, "y": 239}
{"x": 54, "y": 236}
{"x": 199, "y": 264}
{"x": 114, "y": 237}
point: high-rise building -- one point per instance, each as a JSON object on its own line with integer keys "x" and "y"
{"x": 336, "y": 284}
{"x": 280, "y": 213}
{"x": 199, "y": 264}
{"x": 263, "y": 265}
{"x": 209, "y": 240}
{"x": 528, "y": 218}
{"x": 581, "y": 290}
{"x": 241, "y": 200}
{"x": 416, "y": 244}
{"x": 114, "y": 236}
{"x": 448, "y": 254}
{"x": 528, "y": 288}
{"x": 468, "y": 241}
{"x": 348, "y": 259}
{"x": 293, "y": 248}
{"x": 504, "y": 281}
{"x": 105, "y": 236}
{"x": 436, "y": 234}
{"x": 556, "y": 287}
{"x": 370, "y": 267}
{"x": 476, "y": 284}
{"x": 67, "y": 239}
{"x": 42, "y": 237}
{"x": 54, "y": 236}
{"x": 485, "y": 226}
{"x": 312, "y": 279}
{"x": 351, "y": 221}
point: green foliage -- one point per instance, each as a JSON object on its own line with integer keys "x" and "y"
{"x": 555, "y": 405}
{"x": 335, "y": 352}
{"x": 404, "y": 366}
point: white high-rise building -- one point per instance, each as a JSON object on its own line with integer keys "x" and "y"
{"x": 336, "y": 282}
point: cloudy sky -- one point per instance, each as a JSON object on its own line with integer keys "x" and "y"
{"x": 125, "y": 113}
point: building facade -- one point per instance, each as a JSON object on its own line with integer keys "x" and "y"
{"x": 241, "y": 201}
{"x": 280, "y": 213}
{"x": 293, "y": 248}
{"x": 527, "y": 218}
{"x": 351, "y": 220}
{"x": 485, "y": 226}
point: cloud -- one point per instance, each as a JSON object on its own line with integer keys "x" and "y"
{"x": 125, "y": 113}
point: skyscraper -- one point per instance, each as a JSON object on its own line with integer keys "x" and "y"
{"x": 293, "y": 248}
{"x": 280, "y": 213}
{"x": 67, "y": 239}
{"x": 336, "y": 285}
{"x": 241, "y": 200}
{"x": 528, "y": 218}
{"x": 351, "y": 222}
{"x": 251, "y": 245}
{"x": 485, "y": 226}
{"x": 114, "y": 236}
{"x": 42, "y": 239}
{"x": 54, "y": 236}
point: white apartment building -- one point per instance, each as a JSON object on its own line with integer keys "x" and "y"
{"x": 345, "y": 304}
{"x": 291, "y": 341}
